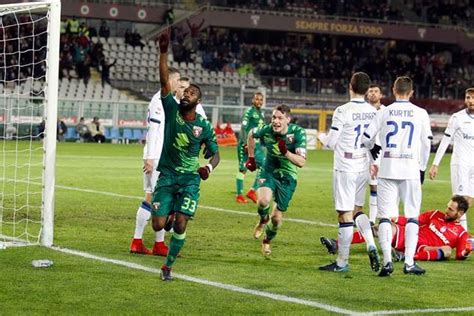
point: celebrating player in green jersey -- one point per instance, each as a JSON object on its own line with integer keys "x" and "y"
{"x": 177, "y": 189}
{"x": 253, "y": 117}
{"x": 286, "y": 150}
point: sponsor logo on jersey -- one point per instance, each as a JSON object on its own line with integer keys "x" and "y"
{"x": 197, "y": 130}
{"x": 290, "y": 138}
{"x": 156, "y": 205}
{"x": 262, "y": 180}
{"x": 443, "y": 229}
{"x": 467, "y": 136}
{"x": 439, "y": 234}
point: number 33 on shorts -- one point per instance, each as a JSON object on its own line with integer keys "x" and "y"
{"x": 189, "y": 206}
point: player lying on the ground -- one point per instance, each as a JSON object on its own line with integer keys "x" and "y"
{"x": 439, "y": 234}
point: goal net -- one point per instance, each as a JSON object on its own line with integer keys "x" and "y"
{"x": 29, "y": 62}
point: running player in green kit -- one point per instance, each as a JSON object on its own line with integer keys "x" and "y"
{"x": 286, "y": 150}
{"x": 253, "y": 117}
{"x": 177, "y": 189}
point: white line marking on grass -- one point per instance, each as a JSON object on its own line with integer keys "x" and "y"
{"x": 273, "y": 296}
{"x": 425, "y": 311}
{"x": 213, "y": 208}
{"x": 233, "y": 288}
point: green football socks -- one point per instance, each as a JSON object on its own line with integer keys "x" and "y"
{"x": 176, "y": 243}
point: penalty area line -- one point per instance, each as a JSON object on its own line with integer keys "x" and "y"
{"x": 229, "y": 287}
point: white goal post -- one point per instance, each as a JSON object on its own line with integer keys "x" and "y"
{"x": 28, "y": 94}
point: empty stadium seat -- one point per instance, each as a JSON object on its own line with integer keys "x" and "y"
{"x": 137, "y": 134}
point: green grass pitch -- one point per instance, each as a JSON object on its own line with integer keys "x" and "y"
{"x": 219, "y": 247}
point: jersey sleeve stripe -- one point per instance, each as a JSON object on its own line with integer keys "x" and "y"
{"x": 446, "y": 134}
{"x": 366, "y": 135}
{"x": 334, "y": 128}
{"x": 430, "y": 137}
{"x": 155, "y": 120}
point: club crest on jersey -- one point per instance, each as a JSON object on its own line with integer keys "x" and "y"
{"x": 290, "y": 138}
{"x": 262, "y": 180}
{"x": 156, "y": 205}
{"x": 197, "y": 130}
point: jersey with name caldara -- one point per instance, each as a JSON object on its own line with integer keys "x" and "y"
{"x": 182, "y": 141}
{"x": 461, "y": 130}
{"x": 405, "y": 135}
{"x": 275, "y": 162}
{"x": 351, "y": 119}
{"x": 252, "y": 118}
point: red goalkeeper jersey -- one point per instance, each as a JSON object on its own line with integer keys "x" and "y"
{"x": 435, "y": 231}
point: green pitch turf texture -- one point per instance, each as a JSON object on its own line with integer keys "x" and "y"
{"x": 219, "y": 247}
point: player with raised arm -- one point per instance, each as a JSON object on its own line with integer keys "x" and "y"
{"x": 405, "y": 133}
{"x": 440, "y": 233}
{"x": 286, "y": 151}
{"x": 151, "y": 156}
{"x": 177, "y": 189}
{"x": 460, "y": 131}
{"x": 252, "y": 118}
{"x": 351, "y": 165}
{"x": 374, "y": 95}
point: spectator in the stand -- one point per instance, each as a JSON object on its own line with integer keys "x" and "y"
{"x": 83, "y": 131}
{"x": 41, "y": 128}
{"x": 72, "y": 26}
{"x": 105, "y": 71}
{"x": 137, "y": 39}
{"x": 61, "y": 130}
{"x": 97, "y": 130}
{"x": 169, "y": 16}
{"x": 104, "y": 30}
{"x": 128, "y": 37}
{"x": 92, "y": 32}
{"x": 194, "y": 30}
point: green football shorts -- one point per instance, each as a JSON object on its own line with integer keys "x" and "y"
{"x": 283, "y": 186}
{"x": 176, "y": 193}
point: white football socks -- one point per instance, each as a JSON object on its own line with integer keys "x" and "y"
{"x": 363, "y": 224}
{"x": 373, "y": 207}
{"x": 411, "y": 239}
{"x": 160, "y": 235}
{"x": 385, "y": 239}
{"x": 344, "y": 239}
{"x": 141, "y": 220}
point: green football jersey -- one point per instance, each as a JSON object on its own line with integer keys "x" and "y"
{"x": 182, "y": 140}
{"x": 275, "y": 162}
{"x": 253, "y": 117}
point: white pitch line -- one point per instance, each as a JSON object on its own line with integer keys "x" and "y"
{"x": 218, "y": 209}
{"x": 424, "y": 311}
{"x": 273, "y": 296}
{"x": 233, "y": 288}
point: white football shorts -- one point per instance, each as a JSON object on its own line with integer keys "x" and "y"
{"x": 462, "y": 180}
{"x": 149, "y": 180}
{"x": 390, "y": 192}
{"x": 349, "y": 189}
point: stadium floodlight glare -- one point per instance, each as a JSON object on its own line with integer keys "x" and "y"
{"x": 29, "y": 69}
